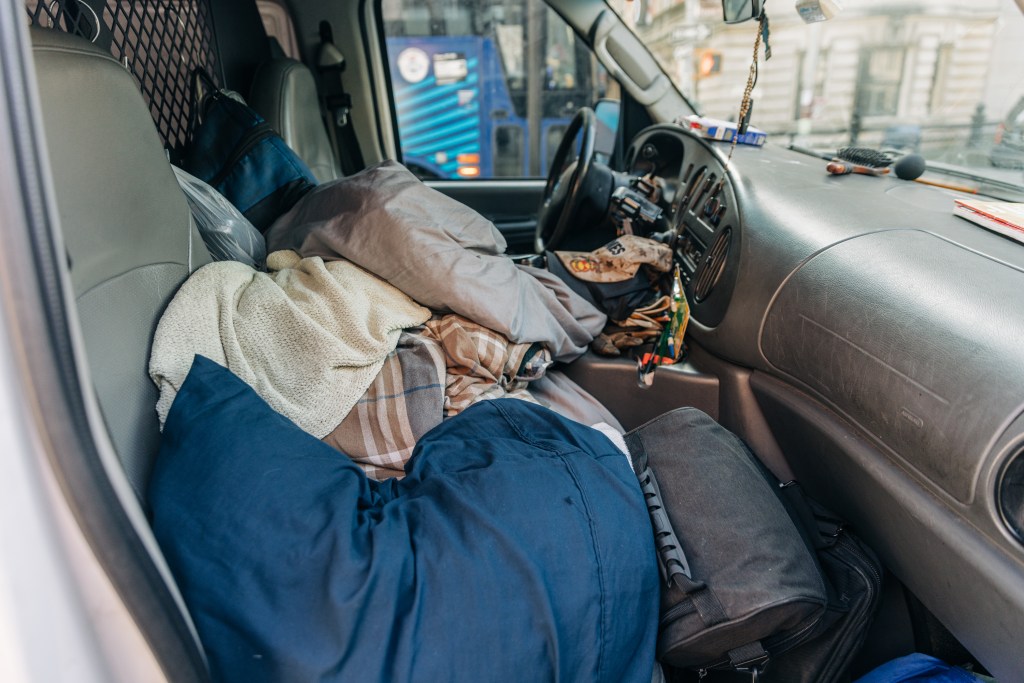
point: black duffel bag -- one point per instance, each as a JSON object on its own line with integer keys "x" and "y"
{"x": 741, "y": 585}
{"x": 853, "y": 574}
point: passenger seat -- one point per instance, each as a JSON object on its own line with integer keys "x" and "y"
{"x": 127, "y": 229}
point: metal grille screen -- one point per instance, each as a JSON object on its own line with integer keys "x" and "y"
{"x": 160, "y": 42}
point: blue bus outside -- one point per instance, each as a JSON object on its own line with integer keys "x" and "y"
{"x": 456, "y": 114}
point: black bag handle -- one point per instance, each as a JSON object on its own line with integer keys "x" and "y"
{"x": 672, "y": 562}
{"x": 201, "y": 78}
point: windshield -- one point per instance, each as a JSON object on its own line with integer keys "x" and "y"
{"x": 943, "y": 78}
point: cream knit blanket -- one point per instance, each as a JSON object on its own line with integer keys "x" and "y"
{"x": 309, "y": 337}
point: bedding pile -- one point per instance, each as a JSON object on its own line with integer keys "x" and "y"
{"x": 387, "y": 307}
{"x": 466, "y": 536}
{"x": 440, "y": 252}
{"x": 436, "y": 371}
{"x": 415, "y": 390}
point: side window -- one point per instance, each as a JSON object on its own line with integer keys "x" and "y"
{"x": 485, "y": 88}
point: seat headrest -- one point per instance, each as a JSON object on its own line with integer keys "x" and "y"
{"x": 126, "y": 226}
{"x": 119, "y": 204}
{"x": 284, "y": 93}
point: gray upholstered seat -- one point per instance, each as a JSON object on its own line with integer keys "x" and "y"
{"x": 128, "y": 232}
{"x": 284, "y": 93}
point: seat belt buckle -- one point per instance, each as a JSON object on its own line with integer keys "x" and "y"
{"x": 341, "y": 116}
{"x": 340, "y": 107}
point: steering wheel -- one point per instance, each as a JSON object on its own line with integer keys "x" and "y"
{"x": 566, "y": 181}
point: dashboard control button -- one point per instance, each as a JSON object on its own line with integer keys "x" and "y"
{"x": 711, "y": 207}
{"x": 717, "y": 218}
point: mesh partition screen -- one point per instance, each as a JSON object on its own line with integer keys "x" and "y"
{"x": 161, "y": 42}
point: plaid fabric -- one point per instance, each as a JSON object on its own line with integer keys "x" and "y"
{"x": 405, "y": 401}
{"x": 436, "y": 371}
{"x": 482, "y": 364}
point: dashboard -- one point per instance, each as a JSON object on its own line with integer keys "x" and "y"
{"x": 701, "y": 210}
{"x": 879, "y": 336}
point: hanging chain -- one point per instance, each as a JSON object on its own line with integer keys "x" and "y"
{"x": 762, "y": 23}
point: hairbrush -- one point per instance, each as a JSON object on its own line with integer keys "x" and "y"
{"x": 859, "y": 160}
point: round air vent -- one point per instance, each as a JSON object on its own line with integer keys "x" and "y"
{"x": 711, "y": 269}
{"x": 1010, "y": 495}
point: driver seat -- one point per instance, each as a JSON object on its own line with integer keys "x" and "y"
{"x": 284, "y": 93}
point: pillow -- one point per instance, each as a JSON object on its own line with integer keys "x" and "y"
{"x": 517, "y": 546}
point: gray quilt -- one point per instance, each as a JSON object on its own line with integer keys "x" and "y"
{"x": 440, "y": 252}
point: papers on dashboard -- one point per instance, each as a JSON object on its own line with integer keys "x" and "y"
{"x": 1005, "y": 218}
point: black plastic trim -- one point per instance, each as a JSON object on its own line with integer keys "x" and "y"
{"x": 1010, "y": 494}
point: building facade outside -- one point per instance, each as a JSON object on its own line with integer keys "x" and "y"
{"x": 901, "y": 74}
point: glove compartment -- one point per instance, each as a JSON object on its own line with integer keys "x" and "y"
{"x": 913, "y": 338}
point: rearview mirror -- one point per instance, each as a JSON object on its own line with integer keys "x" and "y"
{"x": 737, "y": 11}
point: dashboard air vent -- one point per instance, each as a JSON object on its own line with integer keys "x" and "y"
{"x": 714, "y": 263}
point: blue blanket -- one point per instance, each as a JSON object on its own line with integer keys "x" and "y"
{"x": 516, "y": 548}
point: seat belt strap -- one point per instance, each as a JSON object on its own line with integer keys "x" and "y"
{"x": 337, "y": 104}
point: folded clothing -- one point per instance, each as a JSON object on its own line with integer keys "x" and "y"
{"x": 644, "y": 325}
{"x": 481, "y": 364}
{"x": 511, "y": 549}
{"x": 308, "y": 336}
{"x": 440, "y": 252}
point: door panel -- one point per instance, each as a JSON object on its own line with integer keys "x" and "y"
{"x": 510, "y": 204}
